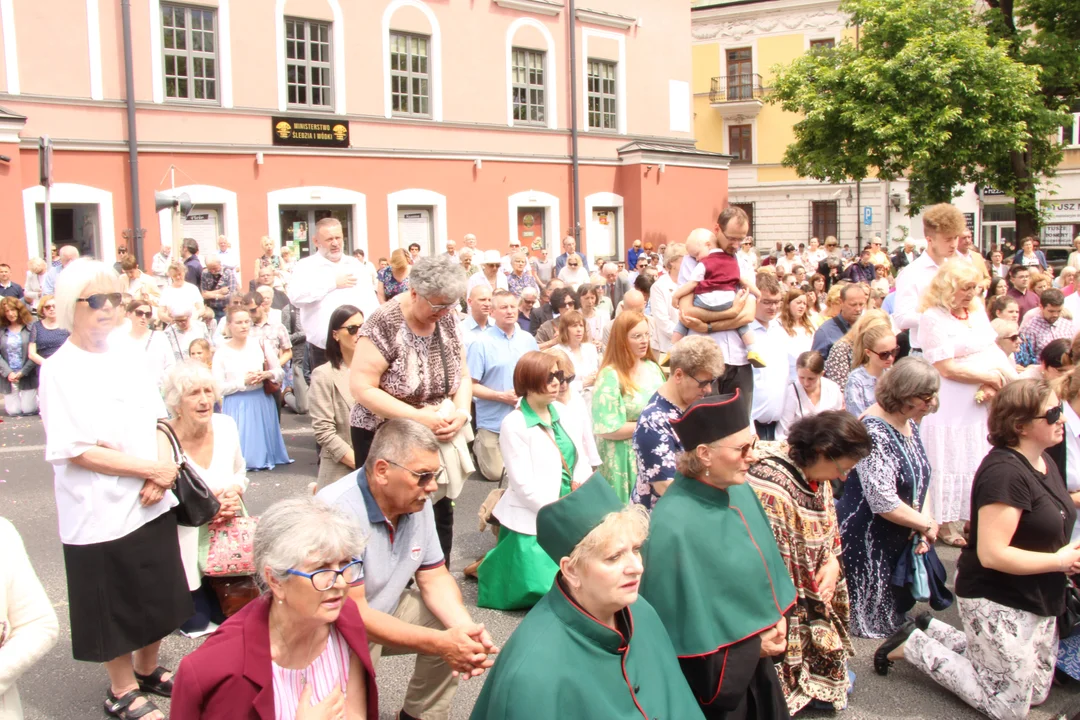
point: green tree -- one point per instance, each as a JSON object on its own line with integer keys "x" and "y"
{"x": 931, "y": 91}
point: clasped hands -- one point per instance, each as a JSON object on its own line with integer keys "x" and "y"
{"x": 468, "y": 650}
{"x": 444, "y": 425}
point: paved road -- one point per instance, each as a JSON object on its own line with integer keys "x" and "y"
{"x": 59, "y": 688}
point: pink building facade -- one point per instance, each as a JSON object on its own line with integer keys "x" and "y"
{"x": 408, "y": 120}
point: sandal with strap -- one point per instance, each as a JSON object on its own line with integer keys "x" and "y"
{"x": 153, "y": 683}
{"x": 120, "y": 707}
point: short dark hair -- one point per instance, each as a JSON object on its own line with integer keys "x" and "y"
{"x": 338, "y": 318}
{"x": 767, "y": 282}
{"x": 789, "y": 248}
{"x": 191, "y": 245}
{"x": 559, "y": 295}
{"x": 531, "y": 372}
{"x": 136, "y": 304}
{"x": 1051, "y": 297}
{"x": 644, "y": 283}
{"x": 732, "y": 212}
{"x": 999, "y": 303}
{"x": 414, "y": 245}
{"x": 1016, "y": 404}
{"x": 130, "y": 262}
{"x": 5, "y": 265}
{"x": 833, "y": 434}
{"x": 1056, "y": 354}
{"x": 1017, "y": 268}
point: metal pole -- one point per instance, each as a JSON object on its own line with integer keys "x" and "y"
{"x": 574, "y": 126}
{"x": 133, "y": 143}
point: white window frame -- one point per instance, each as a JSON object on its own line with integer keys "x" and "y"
{"x": 606, "y": 199}
{"x": 752, "y": 122}
{"x": 308, "y": 27}
{"x": 417, "y": 197}
{"x": 1075, "y": 132}
{"x": 434, "y": 58}
{"x": 620, "y": 79}
{"x": 411, "y": 38}
{"x": 190, "y": 55}
{"x": 551, "y": 91}
{"x": 552, "y": 222}
{"x": 205, "y": 195}
{"x": 93, "y": 45}
{"x": 318, "y": 195}
{"x": 337, "y": 49}
{"x": 157, "y": 56}
{"x": 70, "y": 194}
{"x": 807, "y": 39}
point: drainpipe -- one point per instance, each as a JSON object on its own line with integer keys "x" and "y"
{"x": 574, "y": 126}
{"x": 133, "y": 143}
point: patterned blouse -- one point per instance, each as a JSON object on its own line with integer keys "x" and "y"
{"x": 516, "y": 283}
{"x": 415, "y": 374}
{"x": 392, "y": 287}
{"x": 838, "y": 364}
{"x": 48, "y": 340}
{"x": 656, "y": 446}
{"x": 859, "y": 391}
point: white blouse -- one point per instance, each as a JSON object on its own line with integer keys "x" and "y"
{"x": 99, "y": 399}
{"x": 797, "y": 403}
{"x": 574, "y": 278}
{"x": 153, "y": 348}
{"x": 231, "y": 366}
{"x": 227, "y": 468}
{"x": 586, "y": 362}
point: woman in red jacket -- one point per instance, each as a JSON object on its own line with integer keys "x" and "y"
{"x": 301, "y": 650}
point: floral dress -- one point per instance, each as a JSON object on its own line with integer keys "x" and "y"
{"x": 655, "y": 447}
{"x": 392, "y": 287}
{"x": 516, "y": 283}
{"x": 611, "y": 409}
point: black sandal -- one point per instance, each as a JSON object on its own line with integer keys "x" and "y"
{"x": 153, "y": 683}
{"x": 882, "y": 663}
{"x": 120, "y": 707}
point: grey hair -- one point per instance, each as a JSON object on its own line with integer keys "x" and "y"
{"x": 75, "y": 278}
{"x": 303, "y": 529}
{"x": 438, "y": 277}
{"x": 609, "y": 266}
{"x": 398, "y": 440}
{"x": 181, "y": 378}
{"x": 211, "y": 259}
{"x": 1004, "y": 328}
{"x": 909, "y": 378}
{"x": 465, "y": 251}
{"x": 530, "y": 290}
{"x": 697, "y": 353}
{"x": 519, "y": 254}
{"x": 673, "y": 251}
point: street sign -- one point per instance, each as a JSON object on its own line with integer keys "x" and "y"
{"x": 868, "y": 215}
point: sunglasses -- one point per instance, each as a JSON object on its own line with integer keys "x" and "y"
{"x": 561, "y": 377}
{"x": 574, "y": 264}
{"x": 887, "y": 354}
{"x": 422, "y": 478}
{"x": 351, "y": 329}
{"x": 1012, "y": 338}
{"x": 144, "y": 314}
{"x": 744, "y": 450}
{"x": 1053, "y": 415}
{"x": 50, "y": 306}
{"x": 97, "y": 300}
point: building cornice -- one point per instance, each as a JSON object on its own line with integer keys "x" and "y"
{"x": 772, "y": 18}
{"x": 605, "y": 19}
{"x": 539, "y": 7}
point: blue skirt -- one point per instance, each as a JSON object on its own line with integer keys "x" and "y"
{"x": 260, "y": 429}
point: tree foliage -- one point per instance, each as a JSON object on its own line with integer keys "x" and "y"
{"x": 932, "y": 91}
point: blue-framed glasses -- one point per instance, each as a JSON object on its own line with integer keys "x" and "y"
{"x": 323, "y": 580}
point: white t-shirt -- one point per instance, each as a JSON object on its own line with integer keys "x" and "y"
{"x": 99, "y": 399}
{"x": 154, "y": 348}
{"x": 186, "y": 295}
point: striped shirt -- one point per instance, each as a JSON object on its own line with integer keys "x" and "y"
{"x": 329, "y": 670}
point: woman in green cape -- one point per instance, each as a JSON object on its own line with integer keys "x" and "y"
{"x": 591, "y": 648}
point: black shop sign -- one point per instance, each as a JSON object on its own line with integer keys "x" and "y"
{"x": 310, "y": 132}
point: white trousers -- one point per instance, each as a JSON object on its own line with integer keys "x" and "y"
{"x": 20, "y": 402}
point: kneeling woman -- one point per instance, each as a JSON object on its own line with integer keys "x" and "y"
{"x": 592, "y": 618}
{"x": 540, "y": 441}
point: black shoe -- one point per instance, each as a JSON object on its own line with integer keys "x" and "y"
{"x": 405, "y": 716}
{"x": 922, "y": 621}
{"x": 882, "y": 663}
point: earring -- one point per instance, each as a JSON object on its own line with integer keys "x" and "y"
{"x": 706, "y": 472}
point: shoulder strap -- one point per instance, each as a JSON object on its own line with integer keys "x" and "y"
{"x": 563, "y": 459}
{"x": 797, "y": 398}
{"x": 166, "y": 429}
{"x": 148, "y": 339}
{"x": 442, "y": 357}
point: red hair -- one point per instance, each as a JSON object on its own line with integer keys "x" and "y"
{"x": 618, "y": 354}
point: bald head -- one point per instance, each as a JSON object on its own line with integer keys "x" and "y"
{"x": 479, "y": 303}
{"x": 700, "y": 240}
{"x": 633, "y": 301}
{"x": 68, "y": 253}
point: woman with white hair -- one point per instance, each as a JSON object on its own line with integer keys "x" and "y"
{"x": 958, "y": 341}
{"x": 301, "y": 650}
{"x": 125, "y": 578}
{"x": 574, "y": 273}
{"x": 211, "y": 444}
{"x": 35, "y": 276}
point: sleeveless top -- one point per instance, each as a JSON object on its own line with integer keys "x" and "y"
{"x": 329, "y": 670}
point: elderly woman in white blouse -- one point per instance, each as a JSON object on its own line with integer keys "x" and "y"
{"x": 574, "y": 273}
{"x": 26, "y": 613}
{"x": 543, "y": 447}
{"x": 125, "y": 579}
{"x": 810, "y": 393}
{"x": 241, "y": 367}
{"x": 211, "y": 444}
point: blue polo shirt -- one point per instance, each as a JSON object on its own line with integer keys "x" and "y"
{"x": 492, "y": 358}
{"x": 392, "y": 555}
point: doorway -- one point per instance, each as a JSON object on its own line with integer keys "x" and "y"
{"x": 76, "y": 224}
{"x": 823, "y": 219}
{"x": 604, "y": 233}
{"x": 530, "y": 228}
{"x": 415, "y": 226}
{"x": 298, "y": 225}
{"x": 999, "y": 225}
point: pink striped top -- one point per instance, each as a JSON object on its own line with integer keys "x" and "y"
{"x": 329, "y": 670}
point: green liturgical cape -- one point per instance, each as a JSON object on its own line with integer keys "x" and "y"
{"x": 712, "y": 569}
{"x": 562, "y": 663}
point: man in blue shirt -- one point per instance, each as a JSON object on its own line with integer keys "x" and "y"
{"x": 492, "y": 358}
{"x": 67, "y": 254}
{"x": 852, "y": 304}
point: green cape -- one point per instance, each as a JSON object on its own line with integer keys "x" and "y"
{"x": 712, "y": 569}
{"x": 561, "y": 663}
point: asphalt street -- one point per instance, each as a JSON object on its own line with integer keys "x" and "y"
{"x": 60, "y": 688}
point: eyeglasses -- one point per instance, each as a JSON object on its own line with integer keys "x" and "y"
{"x": 351, "y": 329}
{"x": 561, "y": 377}
{"x": 97, "y": 300}
{"x": 50, "y": 306}
{"x": 422, "y": 478}
{"x": 1053, "y": 415}
{"x": 887, "y": 354}
{"x": 144, "y": 314}
{"x": 323, "y": 580}
{"x": 439, "y": 307}
{"x": 702, "y": 384}
{"x": 744, "y": 450}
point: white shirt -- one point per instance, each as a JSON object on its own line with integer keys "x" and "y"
{"x": 230, "y": 260}
{"x": 313, "y": 288}
{"x": 478, "y": 278}
{"x": 1072, "y": 304}
{"x": 187, "y": 295}
{"x": 575, "y": 277}
{"x": 796, "y": 346}
{"x": 586, "y": 362}
{"x": 231, "y": 366}
{"x": 665, "y": 317}
{"x": 159, "y": 267}
{"x": 784, "y": 265}
{"x": 181, "y": 342}
{"x": 770, "y": 342}
{"x": 797, "y": 403}
{"x": 144, "y": 284}
{"x": 911, "y": 283}
{"x": 89, "y": 400}
{"x": 750, "y": 258}
{"x": 153, "y": 347}
{"x": 814, "y": 257}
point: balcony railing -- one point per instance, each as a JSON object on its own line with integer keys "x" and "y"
{"x": 736, "y": 88}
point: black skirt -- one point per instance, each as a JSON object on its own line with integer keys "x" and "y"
{"x": 127, "y": 593}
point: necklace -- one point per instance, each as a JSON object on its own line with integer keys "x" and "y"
{"x": 961, "y": 315}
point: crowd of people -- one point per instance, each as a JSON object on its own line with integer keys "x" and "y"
{"x": 822, "y": 417}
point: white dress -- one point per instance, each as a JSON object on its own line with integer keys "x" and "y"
{"x": 227, "y": 468}
{"x": 955, "y": 436}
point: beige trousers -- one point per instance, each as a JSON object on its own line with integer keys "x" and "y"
{"x": 488, "y": 455}
{"x": 433, "y": 685}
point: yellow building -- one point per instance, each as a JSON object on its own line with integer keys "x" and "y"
{"x": 736, "y": 44}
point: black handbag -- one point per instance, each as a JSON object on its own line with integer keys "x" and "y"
{"x": 197, "y": 504}
{"x": 1069, "y": 620}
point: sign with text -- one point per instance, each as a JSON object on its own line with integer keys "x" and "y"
{"x": 310, "y": 132}
{"x": 1063, "y": 211}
